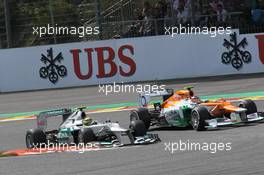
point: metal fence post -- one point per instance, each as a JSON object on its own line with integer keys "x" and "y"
{"x": 192, "y": 12}
{"x": 173, "y": 16}
{"x": 52, "y": 21}
{"x": 122, "y": 16}
{"x": 156, "y": 26}
{"x": 98, "y": 17}
{"x": 7, "y": 24}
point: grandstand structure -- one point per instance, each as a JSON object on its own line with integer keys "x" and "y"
{"x": 115, "y": 18}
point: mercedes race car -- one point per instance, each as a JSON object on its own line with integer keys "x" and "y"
{"x": 184, "y": 109}
{"x": 73, "y": 131}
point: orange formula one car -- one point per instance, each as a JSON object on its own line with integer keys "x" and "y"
{"x": 184, "y": 109}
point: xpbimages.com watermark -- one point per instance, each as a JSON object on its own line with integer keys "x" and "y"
{"x": 182, "y": 146}
{"x": 129, "y": 88}
{"x": 73, "y": 147}
{"x": 65, "y": 30}
{"x": 185, "y": 30}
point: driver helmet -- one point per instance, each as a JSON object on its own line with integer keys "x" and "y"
{"x": 87, "y": 121}
{"x": 195, "y": 99}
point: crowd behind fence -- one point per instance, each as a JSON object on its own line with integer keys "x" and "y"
{"x": 121, "y": 18}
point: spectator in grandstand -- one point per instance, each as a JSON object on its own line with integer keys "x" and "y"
{"x": 210, "y": 17}
{"x": 134, "y": 28}
{"x": 159, "y": 15}
{"x": 215, "y": 14}
{"x": 160, "y": 10}
{"x": 221, "y": 14}
{"x": 214, "y": 5}
{"x": 147, "y": 28}
{"x": 196, "y": 12}
{"x": 138, "y": 15}
{"x": 257, "y": 12}
{"x": 182, "y": 10}
{"x": 176, "y": 6}
{"x": 182, "y": 15}
{"x": 147, "y": 9}
{"x": 246, "y": 11}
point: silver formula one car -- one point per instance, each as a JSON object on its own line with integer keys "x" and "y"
{"x": 73, "y": 131}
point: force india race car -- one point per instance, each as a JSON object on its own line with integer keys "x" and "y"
{"x": 183, "y": 109}
{"x": 72, "y": 130}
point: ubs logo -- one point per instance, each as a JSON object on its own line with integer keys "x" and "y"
{"x": 236, "y": 55}
{"x": 53, "y": 68}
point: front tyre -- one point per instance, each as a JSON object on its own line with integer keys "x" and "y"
{"x": 198, "y": 117}
{"x": 138, "y": 127}
{"x": 249, "y": 105}
{"x": 141, "y": 114}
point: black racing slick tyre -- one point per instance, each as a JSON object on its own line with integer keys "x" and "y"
{"x": 249, "y": 105}
{"x": 35, "y": 138}
{"x": 138, "y": 127}
{"x": 198, "y": 117}
{"x": 86, "y": 136}
{"x": 141, "y": 114}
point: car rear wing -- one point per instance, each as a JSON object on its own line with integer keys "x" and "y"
{"x": 43, "y": 116}
{"x": 145, "y": 98}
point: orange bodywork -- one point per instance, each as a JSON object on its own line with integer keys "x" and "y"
{"x": 175, "y": 98}
{"x": 183, "y": 94}
{"x": 217, "y": 107}
{"x": 220, "y": 107}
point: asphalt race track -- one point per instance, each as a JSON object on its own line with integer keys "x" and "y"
{"x": 246, "y": 156}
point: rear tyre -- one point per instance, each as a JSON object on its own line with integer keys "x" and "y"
{"x": 87, "y": 135}
{"x": 249, "y": 105}
{"x": 198, "y": 117}
{"x": 35, "y": 138}
{"x": 138, "y": 127}
{"x": 141, "y": 114}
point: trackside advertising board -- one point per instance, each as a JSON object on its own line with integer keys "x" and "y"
{"x": 130, "y": 60}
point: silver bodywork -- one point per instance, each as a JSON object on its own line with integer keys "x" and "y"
{"x": 74, "y": 123}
